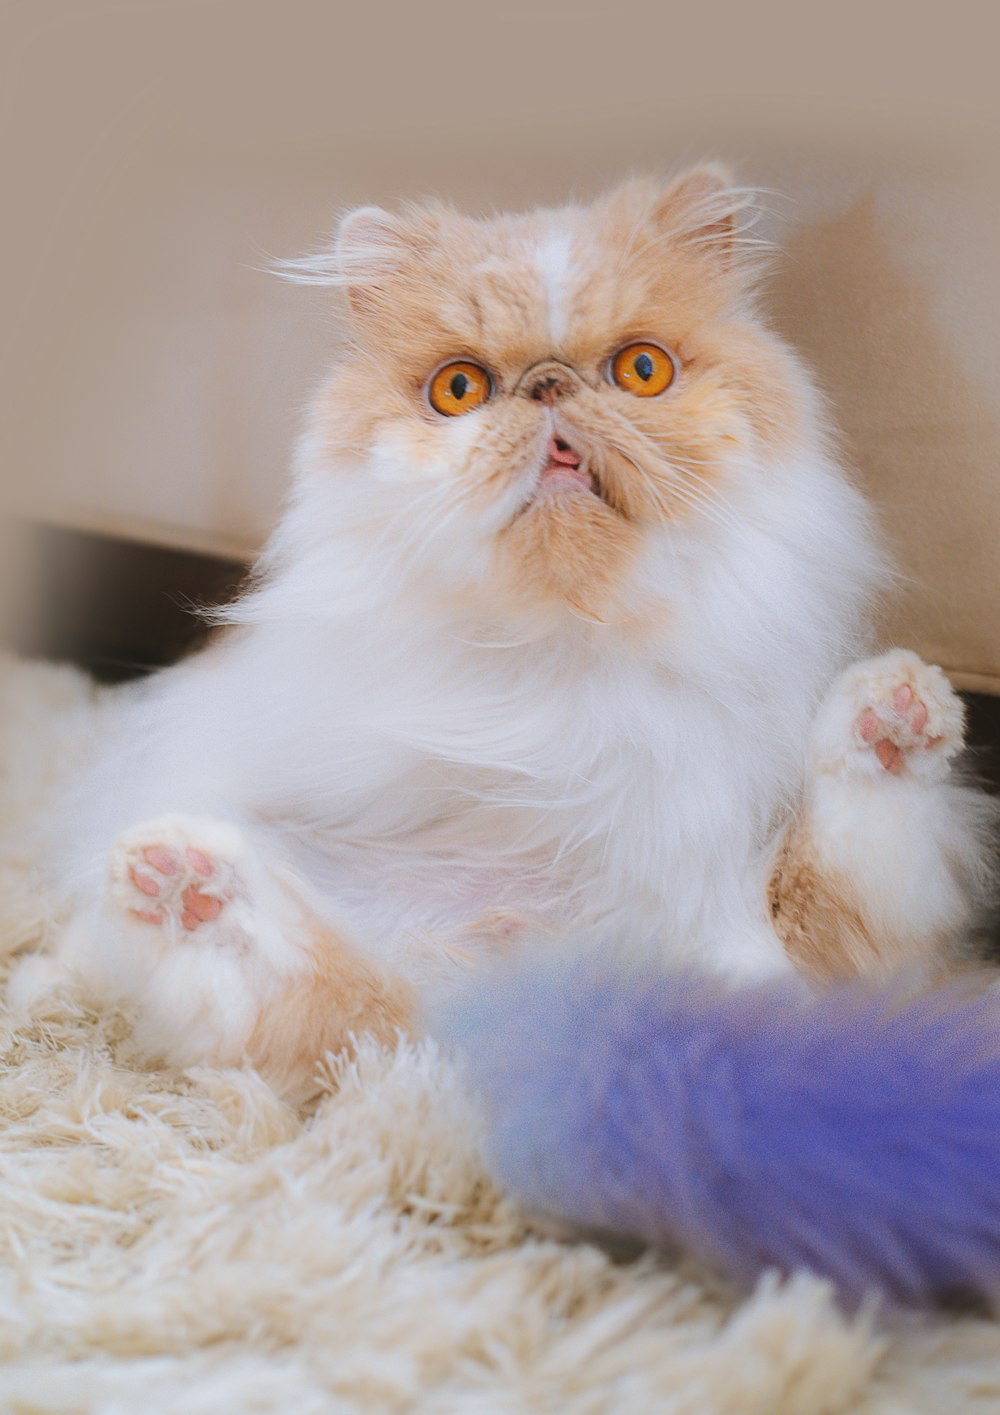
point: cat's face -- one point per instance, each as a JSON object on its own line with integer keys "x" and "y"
{"x": 542, "y": 394}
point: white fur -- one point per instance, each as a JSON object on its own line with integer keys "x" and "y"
{"x": 554, "y": 262}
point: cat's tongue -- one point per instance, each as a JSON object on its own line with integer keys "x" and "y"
{"x": 564, "y": 466}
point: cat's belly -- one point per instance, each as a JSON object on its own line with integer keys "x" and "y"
{"x": 419, "y": 909}
{"x": 394, "y": 895}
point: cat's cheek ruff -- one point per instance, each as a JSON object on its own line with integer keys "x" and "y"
{"x": 432, "y": 510}
{"x": 488, "y": 471}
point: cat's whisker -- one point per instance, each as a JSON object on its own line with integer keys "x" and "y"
{"x": 707, "y": 493}
{"x": 712, "y": 493}
{"x": 710, "y": 505}
{"x": 706, "y": 500}
{"x": 687, "y": 496}
{"x": 649, "y": 485}
{"x": 678, "y": 490}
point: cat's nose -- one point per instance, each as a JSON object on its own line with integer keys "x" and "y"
{"x": 549, "y": 382}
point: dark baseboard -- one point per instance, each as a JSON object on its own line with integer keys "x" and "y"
{"x": 118, "y": 608}
{"x": 984, "y": 738}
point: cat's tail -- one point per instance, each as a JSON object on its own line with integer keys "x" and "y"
{"x": 856, "y": 1134}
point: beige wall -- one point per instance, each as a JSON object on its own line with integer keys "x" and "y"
{"x": 159, "y": 153}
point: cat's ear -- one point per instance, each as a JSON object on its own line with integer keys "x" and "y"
{"x": 704, "y": 210}
{"x": 369, "y": 246}
{"x": 707, "y": 209}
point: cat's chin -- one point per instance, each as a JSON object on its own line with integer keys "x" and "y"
{"x": 569, "y": 546}
{"x": 562, "y": 481}
{"x": 564, "y": 495}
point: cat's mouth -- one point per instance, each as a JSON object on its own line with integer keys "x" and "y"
{"x": 566, "y": 478}
{"x": 565, "y": 471}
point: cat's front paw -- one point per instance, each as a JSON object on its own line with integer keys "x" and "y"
{"x": 893, "y": 715}
{"x": 184, "y": 875}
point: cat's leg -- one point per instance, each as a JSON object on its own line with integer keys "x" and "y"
{"x": 218, "y": 959}
{"x": 889, "y": 861}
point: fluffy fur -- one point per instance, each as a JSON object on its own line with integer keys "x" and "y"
{"x": 469, "y": 704}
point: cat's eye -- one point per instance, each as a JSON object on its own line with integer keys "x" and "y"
{"x": 458, "y": 388}
{"x": 642, "y": 369}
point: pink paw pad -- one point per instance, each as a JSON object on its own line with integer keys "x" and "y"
{"x": 149, "y": 916}
{"x": 163, "y": 860}
{"x": 198, "y": 908}
{"x": 895, "y": 728}
{"x": 178, "y": 880}
{"x": 201, "y": 863}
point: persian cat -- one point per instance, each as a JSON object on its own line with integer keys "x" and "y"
{"x": 558, "y": 641}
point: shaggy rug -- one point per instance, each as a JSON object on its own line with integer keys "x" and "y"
{"x": 186, "y": 1243}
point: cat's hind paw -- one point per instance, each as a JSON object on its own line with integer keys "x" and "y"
{"x": 182, "y": 874}
{"x": 893, "y": 715}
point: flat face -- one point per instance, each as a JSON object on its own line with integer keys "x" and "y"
{"x": 560, "y": 384}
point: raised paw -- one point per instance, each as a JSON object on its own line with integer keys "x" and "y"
{"x": 179, "y": 873}
{"x": 892, "y": 715}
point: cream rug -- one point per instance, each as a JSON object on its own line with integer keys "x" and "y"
{"x": 187, "y": 1244}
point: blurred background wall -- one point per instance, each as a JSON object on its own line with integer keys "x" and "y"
{"x": 156, "y": 156}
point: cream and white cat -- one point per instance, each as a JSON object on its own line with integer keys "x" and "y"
{"x": 552, "y": 645}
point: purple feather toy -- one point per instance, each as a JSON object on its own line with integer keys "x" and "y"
{"x": 855, "y": 1134}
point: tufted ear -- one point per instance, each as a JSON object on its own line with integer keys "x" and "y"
{"x": 706, "y": 208}
{"x": 369, "y": 246}
{"x": 704, "y": 211}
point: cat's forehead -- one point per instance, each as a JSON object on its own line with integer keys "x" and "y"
{"x": 573, "y": 282}
{"x": 529, "y": 273}
{"x": 524, "y": 287}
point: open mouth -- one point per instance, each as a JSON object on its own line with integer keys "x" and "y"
{"x": 564, "y": 470}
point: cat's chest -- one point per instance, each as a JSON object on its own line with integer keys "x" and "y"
{"x": 622, "y": 780}
{"x": 635, "y": 844}
{"x": 582, "y": 804}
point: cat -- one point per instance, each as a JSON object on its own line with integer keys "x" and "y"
{"x": 560, "y": 639}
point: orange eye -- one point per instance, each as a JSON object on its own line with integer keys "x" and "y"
{"x": 458, "y": 388}
{"x": 643, "y": 369}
